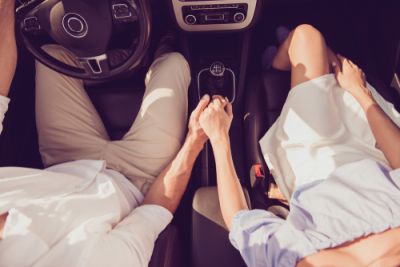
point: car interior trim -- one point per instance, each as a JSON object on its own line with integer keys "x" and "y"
{"x": 206, "y": 6}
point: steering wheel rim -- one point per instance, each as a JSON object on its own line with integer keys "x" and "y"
{"x": 87, "y": 67}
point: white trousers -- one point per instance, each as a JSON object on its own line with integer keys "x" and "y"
{"x": 70, "y": 128}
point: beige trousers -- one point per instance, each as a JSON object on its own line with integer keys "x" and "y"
{"x": 70, "y": 128}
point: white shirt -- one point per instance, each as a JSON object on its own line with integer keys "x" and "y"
{"x": 75, "y": 214}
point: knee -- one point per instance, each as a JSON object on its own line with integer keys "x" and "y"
{"x": 61, "y": 54}
{"x": 306, "y": 33}
{"x": 176, "y": 61}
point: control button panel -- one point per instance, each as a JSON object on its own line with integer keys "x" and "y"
{"x": 239, "y": 17}
{"x": 190, "y": 19}
{"x": 31, "y": 24}
{"x": 214, "y": 14}
{"x": 123, "y": 12}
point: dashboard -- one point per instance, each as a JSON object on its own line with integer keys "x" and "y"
{"x": 214, "y": 15}
{"x": 205, "y": 15}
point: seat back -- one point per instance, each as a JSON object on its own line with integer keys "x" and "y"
{"x": 263, "y": 107}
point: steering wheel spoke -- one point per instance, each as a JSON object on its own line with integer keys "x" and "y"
{"x": 96, "y": 66}
{"x": 32, "y": 25}
{"x": 33, "y": 18}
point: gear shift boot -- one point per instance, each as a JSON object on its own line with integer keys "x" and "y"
{"x": 217, "y": 80}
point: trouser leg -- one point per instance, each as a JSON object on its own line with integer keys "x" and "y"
{"x": 158, "y": 131}
{"x": 68, "y": 125}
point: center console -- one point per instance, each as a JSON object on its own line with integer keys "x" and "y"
{"x": 214, "y": 15}
{"x": 216, "y": 41}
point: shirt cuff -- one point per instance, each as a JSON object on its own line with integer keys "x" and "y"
{"x": 158, "y": 214}
{"x": 4, "y": 101}
{"x": 246, "y": 222}
{"x": 154, "y": 218}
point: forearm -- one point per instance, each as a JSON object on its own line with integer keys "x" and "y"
{"x": 230, "y": 192}
{"x": 8, "y": 50}
{"x": 386, "y": 133}
{"x": 170, "y": 185}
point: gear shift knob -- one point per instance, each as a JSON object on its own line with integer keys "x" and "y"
{"x": 217, "y": 69}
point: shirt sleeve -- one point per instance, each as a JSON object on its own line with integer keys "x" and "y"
{"x": 131, "y": 242}
{"x": 3, "y": 109}
{"x": 251, "y": 234}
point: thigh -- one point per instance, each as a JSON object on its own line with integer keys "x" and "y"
{"x": 164, "y": 106}
{"x": 158, "y": 131}
{"x": 68, "y": 125}
{"x": 309, "y": 55}
{"x": 3, "y": 219}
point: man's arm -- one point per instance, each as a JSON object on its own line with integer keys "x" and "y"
{"x": 170, "y": 185}
{"x": 8, "y": 50}
{"x": 386, "y": 133}
{"x": 216, "y": 122}
{"x": 8, "y": 60}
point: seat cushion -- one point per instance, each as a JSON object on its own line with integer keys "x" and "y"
{"x": 210, "y": 236}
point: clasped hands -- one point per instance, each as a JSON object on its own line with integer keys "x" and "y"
{"x": 210, "y": 120}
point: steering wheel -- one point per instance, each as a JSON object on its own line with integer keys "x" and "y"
{"x": 92, "y": 30}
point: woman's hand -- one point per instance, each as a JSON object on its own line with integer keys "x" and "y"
{"x": 351, "y": 78}
{"x": 216, "y": 119}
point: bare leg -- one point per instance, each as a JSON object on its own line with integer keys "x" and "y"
{"x": 3, "y": 219}
{"x": 305, "y": 53}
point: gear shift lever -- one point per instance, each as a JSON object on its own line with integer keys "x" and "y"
{"x": 217, "y": 80}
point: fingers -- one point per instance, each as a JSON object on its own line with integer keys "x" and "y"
{"x": 347, "y": 62}
{"x": 229, "y": 110}
{"x": 204, "y": 101}
{"x": 333, "y": 59}
{"x": 337, "y": 71}
{"x": 341, "y": 59}
{"x": 218, "y": 103}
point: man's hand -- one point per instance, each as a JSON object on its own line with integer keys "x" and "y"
{"x": 216, "y": 119}
{"x": 351, "y": 78}
{"x": 195, "y": 131}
